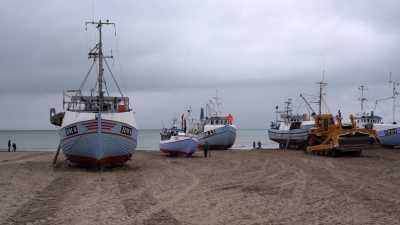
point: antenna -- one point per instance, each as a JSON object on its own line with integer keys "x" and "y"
{"x": 362, "y": 99}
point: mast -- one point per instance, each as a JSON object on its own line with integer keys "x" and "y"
{"x": 218, "y": 104}
{"x": 362, "y": 99}
{"x": 99, "y": 54}
{"x": 321, "y": 84}
{"x": 395, "y": 93}
{"x": 394, "y": 96}
{"x": 288, "y": 108}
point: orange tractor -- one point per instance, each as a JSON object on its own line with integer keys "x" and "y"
{"x": 331, "y": 137}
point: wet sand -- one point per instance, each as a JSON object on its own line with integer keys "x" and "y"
{"x": 231, "y": 187}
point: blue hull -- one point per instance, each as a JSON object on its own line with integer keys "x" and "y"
{"x": 89, "y": 142}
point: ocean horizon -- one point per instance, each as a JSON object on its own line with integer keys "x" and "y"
{"x": 148, "y": 139}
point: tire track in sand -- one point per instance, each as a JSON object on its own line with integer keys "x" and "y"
{"x": 154, "y": 211}
{"x": 22, "y": 158}
{"x": 354, "y": 194}
{"x": 42, "y": 208}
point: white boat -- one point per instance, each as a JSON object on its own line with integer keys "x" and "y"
{"x": 179, "y": 144}
{"x": 216, "y": 129}
{"x": 388, "y": 134}
{"x": 175, "y": 141}
{"x": 365, "y": 119}
{"x": 96, "y": 129}
{"x": 291, "y": 130}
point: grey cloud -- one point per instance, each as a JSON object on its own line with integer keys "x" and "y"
{"x": 165, "y": 47}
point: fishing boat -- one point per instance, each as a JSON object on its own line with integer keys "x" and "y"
{"x": 175, "y": 141}
{"x": 388, "y": 134}
{"x": 96, "y": 129}
{"x": 290, "y": 130}
{"x": 366, "y": 119}
{"x": 216, "y": 129}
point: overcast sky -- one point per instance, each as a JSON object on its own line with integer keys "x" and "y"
{"x": 173, "y": 54}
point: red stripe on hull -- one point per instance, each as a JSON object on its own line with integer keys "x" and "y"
{"x": 95, "y": 132}
{"x": 88, "y": 161}
{"x": 95, "y": 126}
{"x": 95, "y": 129}
{"x": 95, "y": 123}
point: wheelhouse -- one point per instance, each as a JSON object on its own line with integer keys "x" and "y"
{"x": 219, "y": 120}
{"x": 75, "y": 102}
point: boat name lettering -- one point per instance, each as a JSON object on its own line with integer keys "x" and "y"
{"x": 392, "y": 131}
{"x": 126, "y": 130}
{"x": 71, "y": 130}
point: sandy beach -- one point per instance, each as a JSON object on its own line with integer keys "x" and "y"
{"x": 231, "y": 187}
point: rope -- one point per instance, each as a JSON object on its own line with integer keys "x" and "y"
{"x": 105, "y": 84}
{"x": 326, "y": 105}
{"x": 86, "y": 77}
{"x": 112, "y": 75}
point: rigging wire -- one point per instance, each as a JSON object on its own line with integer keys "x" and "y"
{"x": 117, "y": 53}
{"x": 112, "y": 75}
{"x": 105, "y": 85}
{"x": 87, "y": 75}
{"x": 326, "y": 105}
{"x": 95, "y": 85}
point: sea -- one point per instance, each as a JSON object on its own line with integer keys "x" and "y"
{"x": 148, "y": 139}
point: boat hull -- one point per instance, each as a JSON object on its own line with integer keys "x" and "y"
{"x": 220, "y": 138}
{"x": 388, "y": 136}
{"x": 98, "y": 143}
{"x": 179, "y": 145}
{"x": 297, "y": 137}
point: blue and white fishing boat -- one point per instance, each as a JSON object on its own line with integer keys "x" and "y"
{"x": 175, "y": 141}
{"x": 216, "y": 129}
{"x": 179, "y": 144}
{"x": 388, "y": 134}
{"x": 96, "y": 129}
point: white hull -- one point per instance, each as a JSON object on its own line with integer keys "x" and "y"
{"x": 222, "y": 137}
{"x": 179, "y": 144}
{"x": 98, "y": 141}
{"x": 290, "y": 137}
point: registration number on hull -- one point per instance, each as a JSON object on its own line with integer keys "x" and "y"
{"x": 126, "y": 131}
{"x": 390, "y": 132}
{"x": 71, "y": 130}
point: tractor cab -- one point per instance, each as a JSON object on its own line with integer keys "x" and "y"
{"x": 324, "y": 122}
